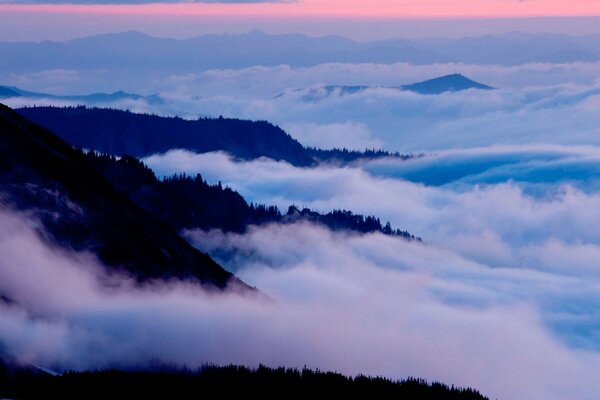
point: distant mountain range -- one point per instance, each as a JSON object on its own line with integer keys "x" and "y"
{"x": 443, "y": 84}
{"x": 7, "y": 92}
{"x": 259, "y": 48}
{"x": 448, "y": 83}
{"x": 80, "y": 210}
{"x": 135, "y": 58}
{"x": 121, "y": 132}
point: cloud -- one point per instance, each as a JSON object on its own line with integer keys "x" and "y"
{"x": 267, "y": 82}
{"x": 339, "y": 303}
{"x": 330, "y": 136}
{"x": 469, "y": 203}
{"x": 536, "y": 103}
{"x": 503, "y": 296}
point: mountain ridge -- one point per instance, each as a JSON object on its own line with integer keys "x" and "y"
{"x": 92, "y": 98}
{"x": 81, "y": 211}
{"x": 188, "y": 202}
{"x": 126, "y": 65}
{"x": 120, "y": 132}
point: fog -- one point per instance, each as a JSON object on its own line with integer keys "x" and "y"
{"x": 518, "y": 209}
{"x": 502, "y": 295}
{"x": 533, "y": 103}
{"x": 355, "y": 304}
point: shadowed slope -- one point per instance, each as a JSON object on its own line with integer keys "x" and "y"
{"x": 79, "y": 209}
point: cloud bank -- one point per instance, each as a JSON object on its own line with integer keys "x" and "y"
{"x": 535, "y": 103}
{"x": 367, "y": 304}
{"x": 503, "y": 296}
{"x": 470, "y": 203}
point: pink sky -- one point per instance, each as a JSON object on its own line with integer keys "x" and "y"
{"x": 372, "y": 9}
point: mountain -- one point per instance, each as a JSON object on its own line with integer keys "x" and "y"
{"x": 442, "y": 84}
{"x": 448, "y": 83}
{"x": 80, "y": 210}
{"x": 130, "y": 60}
{"x": 132, "y": 50}
{"x": 186, "y": 202}
{"x": 140, "y": 135}
{"x": 122, "y": 132}
{"x": 94, "y": 98}
{"x": 7, "y": 92}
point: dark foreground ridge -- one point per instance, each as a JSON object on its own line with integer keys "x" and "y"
{"x": 140, "y": 135}
{"x": 78, "y": 209}
{"x": 186, "y": 202}
{"x": 27, "y": 383}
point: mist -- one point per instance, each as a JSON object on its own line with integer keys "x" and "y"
{"x": 533, "y": 103}
{"x": 521, "y": 210}
{"x": 502, "y": 295}
{"x": 336, "y": 303}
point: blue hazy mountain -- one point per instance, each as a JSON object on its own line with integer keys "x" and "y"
{"x": 448, "y": 83}
{"x": 94, "y": 98}
{"x": 131, "y": 60}
{"x": 443, "y": 84}
{"x": 137, "y": 51}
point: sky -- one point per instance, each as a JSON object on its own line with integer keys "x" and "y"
{"x": 326, "y": 8}
{"x": 44, "y": 20}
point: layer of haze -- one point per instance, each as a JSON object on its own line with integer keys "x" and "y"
{"x": 533, "y": 103}
{"x": 355, "y": 304}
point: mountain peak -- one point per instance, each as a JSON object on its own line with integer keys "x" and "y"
{"x": 447, "y": 83}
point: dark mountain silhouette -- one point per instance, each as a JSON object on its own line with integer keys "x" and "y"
{"x": 80, "y": 210}
{"x": 94, "y": 98}
{"x": 173, "y": 383}
{"x": 447, "y": 83}
{"x": 122, "y": 132}
{"x": 186, "y": 202}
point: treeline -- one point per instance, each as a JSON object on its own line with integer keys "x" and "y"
{"x": 345, "y": 155}
{"x": 344, "y": 220}
{"x": 121, "y": 132}
{"x": 225, "y": 381}
{"x": 189, "y": 202}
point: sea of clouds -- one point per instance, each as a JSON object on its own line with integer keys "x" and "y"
{"x": 532, "y": 103}
{"x": 501, "y": 295}
{"x": 355, "y": 304}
